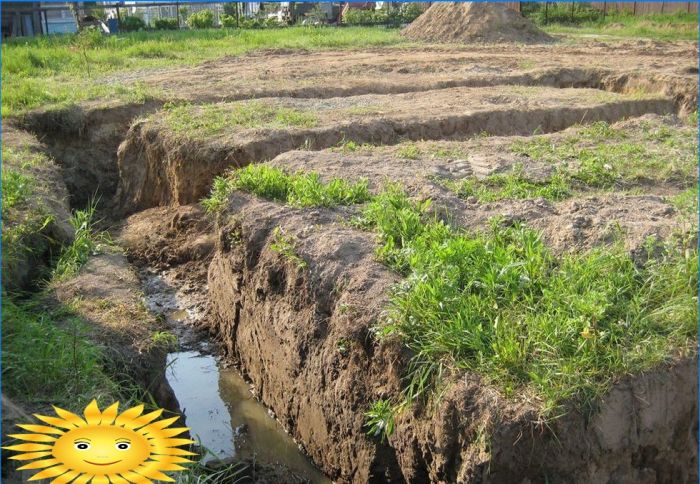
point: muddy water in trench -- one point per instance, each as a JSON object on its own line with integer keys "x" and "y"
{"x": 217, "y": 403}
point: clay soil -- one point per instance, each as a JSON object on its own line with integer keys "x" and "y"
{"x": 424, "y": 116}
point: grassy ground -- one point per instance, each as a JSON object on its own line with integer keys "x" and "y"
{"x": 681, "y": 26}
{"x": 500, "y": 303}
{"x": 62, "y": 69}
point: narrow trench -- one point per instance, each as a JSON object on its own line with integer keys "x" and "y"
{"x": 222, "y": 413}
{"x": 217, "y": 402}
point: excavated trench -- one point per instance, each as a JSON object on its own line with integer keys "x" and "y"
{"x": 280, "y": 325}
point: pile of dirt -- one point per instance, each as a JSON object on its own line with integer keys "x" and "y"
{"x": 474, "y": 22}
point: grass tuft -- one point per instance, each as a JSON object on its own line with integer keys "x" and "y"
{"x": 88, "y": 241}
{"x": 513, "y": 185}
{"x": 298, "y": 189}
{"x": 285, "y": 245}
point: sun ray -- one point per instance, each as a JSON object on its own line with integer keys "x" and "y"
{"x": 117, "y": 479}
{"x": 70, "y": 417}
{"x": 159, "y": 425}
{"x": 150, "y": 471}
{"x": 128, "y": 415}
{"x": 56, "y": 422}
{"x": 172, "y": 459}
{"x": 82, "y": 479}
{"x": 92, "y": 413}
{"x": 39, "y": 464}
{"x": 100, "y": 480}
{"x": 173, "y": 432}
{"x": 65, "y": 478}
{"x": 50, "y": 472}
{"x": 134, "y": 477}
{"x": 145, "y": 419}
{"x": 33, "y": 437}
{"x": 30, "y": 455}
{"x": 109, "y": 414}
{"x": 42, "y": 429}
{"x": 28, "y": 447}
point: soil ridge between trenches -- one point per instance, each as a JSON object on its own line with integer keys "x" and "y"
{"x": 156, "y": 169}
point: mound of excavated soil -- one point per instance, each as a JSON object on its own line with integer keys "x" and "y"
{"x": 474, "y": 22}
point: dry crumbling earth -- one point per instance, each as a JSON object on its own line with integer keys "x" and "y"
{"x": 469, "y": 22}
{"x": 298, "y": 321}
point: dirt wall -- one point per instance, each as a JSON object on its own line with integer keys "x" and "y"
{"x": 302, "y": 336}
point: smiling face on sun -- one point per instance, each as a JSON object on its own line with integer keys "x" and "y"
{"x": 103, "y": 447}
{"x": 101, "y": 450}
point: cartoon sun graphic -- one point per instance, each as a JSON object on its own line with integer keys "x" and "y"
{"x": 104, "y": 447}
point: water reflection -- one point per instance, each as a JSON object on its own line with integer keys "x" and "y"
{"x": 224, "y": 416}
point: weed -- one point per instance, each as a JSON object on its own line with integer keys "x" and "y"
{"x": 164, "y": 339}
{"x": 285, "y": 245}
{"x": 16, "y": 188}
{"x": 380, "y": 419}
{"x": 686, "y": 202}
{"x": 88, "y": 241}
{"x": 448, "y": 152}
{"x": 513, "y": 185}
{"x": 298, "y": 189}
{"x": 601, "y": 156}
{"x": 410, "y": 152}
{"x": 352, "y": 147}
{"x": 201, "y": 474}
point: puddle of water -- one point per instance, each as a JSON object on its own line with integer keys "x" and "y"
{"x": 227, "y": 419}
{"x": 195, "y": 379}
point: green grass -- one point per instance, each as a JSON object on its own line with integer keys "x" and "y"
{"x": 214, "y": 119}
{"x": 88, "y": 241}
{"x": 559, "y": 328}
{"x": 604, "y": 157}
{"x": 16, "y": 188}
{"x": 285, "y": 245}
{"x": 686, "y": 202}
{"x": 513, "y": 185}
{"x": 679, "y": 26}
{"x": 48, "y": 70}
{"x": 297, "y": 189}
{"x": 409, "y": 152}
{"x": 24, "y": 217}
{"x": 44, "y": 362}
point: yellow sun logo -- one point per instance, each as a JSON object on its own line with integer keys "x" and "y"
{"x": 104, "y": 447}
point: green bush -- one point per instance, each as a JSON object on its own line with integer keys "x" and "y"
{"x": 410, "y": 12}
{"x": 228, "y": 21}
{"x": 204, "y": 19}
{"x": 167, "y": 24}
{"x": 362, "y": 17}
{"x": 131, "y": 23}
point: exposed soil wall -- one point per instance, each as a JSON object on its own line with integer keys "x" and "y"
{"x": 84, "y": 140}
